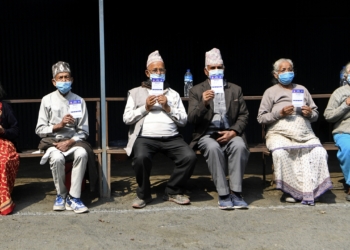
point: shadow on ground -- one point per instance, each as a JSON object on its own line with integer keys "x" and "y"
{"x": 34, "y": 188}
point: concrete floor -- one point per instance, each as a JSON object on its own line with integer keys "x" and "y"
{"x": 114, "y": 224}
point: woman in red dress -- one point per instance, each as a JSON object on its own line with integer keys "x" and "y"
{"x": 9, "y": 158}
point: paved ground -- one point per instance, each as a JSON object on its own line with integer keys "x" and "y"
{"x": 114, "y": 224}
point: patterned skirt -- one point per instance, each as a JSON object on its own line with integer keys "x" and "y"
{"x": 9, "y": 163}
{"x": 300, "y": 161}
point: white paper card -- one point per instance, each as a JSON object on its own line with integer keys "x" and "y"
{"x": 217, "y": 84}
{"x": 298, "y": 97}
{"x": 75, "y": 108}
{"x": 157, "y": 86}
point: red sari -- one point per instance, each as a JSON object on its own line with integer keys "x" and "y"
{"x": 9, "y": 163}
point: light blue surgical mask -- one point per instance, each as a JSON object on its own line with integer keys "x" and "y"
{"x": 348, "y": 79}
{"x": 216, "y": 72}
{"x": 162, "y": 76}
{"x": 64, "y": 87}
{"x": 286, "y": 78}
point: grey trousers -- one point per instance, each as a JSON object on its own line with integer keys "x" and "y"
{"x": 228, "y": 159}
{"x": 57, "y": 165}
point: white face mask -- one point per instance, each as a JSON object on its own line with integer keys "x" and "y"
{"x": 216, "y": 72}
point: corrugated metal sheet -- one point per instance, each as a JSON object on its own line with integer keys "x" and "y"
{"x": 31, "y": 43}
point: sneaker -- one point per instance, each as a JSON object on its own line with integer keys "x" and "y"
{"x": 225, "y": 204}
{"x": 177, "y": 198}
{"x": 76, "y": 205}
{"x": 288, "y": 198}
{"x": 59, "y": 204}
{"x": 139, "y": 203}
{"x": 237, "y": 201}
{"x": 347, "y": 197}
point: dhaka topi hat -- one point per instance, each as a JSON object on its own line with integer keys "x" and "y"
{"x": 213, "y": 57}
{"x": 154, "y": 57}
{"x": 60, "y": 67}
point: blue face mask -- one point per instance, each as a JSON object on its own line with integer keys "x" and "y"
{"x": 64, "y": 87}
{"x": 218, "y": 72}
{"x": 162, "y": 76}
{"x": 286, "y": 78}
{"x": 348, "y": 79}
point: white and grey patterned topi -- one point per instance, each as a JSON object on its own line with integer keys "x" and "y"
{"x": 213, "y": 57}
{"x": 154, "y": 57}
{"x": 60, "y": 67}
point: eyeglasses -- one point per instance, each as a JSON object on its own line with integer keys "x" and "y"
{"x": 216, "y": 67}
{"x": 155, "y": 71}
{"x": 61, "y": 78}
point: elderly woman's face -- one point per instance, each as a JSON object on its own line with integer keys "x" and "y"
{"x": 284, "y": 67}
{"x": 347, "y": 71}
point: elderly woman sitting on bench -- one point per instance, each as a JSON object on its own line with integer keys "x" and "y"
{"x": 300, "y": 161}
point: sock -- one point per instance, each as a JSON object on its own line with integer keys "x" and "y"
{"x": 237, "y": 194}
{"x": 223, "y": 197}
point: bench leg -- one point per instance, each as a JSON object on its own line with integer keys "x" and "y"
{"x": 99, "y": 166}
{"x": 109, "y": 175}
{"x": 264, "y": 168}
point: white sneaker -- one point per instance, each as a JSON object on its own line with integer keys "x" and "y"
{"x": 291, "y": 200}
{"x": 59, "y": 204}
{"x": 76, "y": 205}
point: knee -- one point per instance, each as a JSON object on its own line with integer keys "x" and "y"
{"x": 56, "y": 157}
{"x": 80, "y": 153}
{"x": 279, "y": 153}
{"x": 319, "y": 152}
{"x": 140, "y": 159}
{"x": 237, "y": 144}
{"x": 213, "y": 147}
{"x": 344, "y": 151}
{"x": 190, "y": 156}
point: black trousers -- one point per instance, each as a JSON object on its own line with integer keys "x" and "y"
{"x": 176, "y": 149}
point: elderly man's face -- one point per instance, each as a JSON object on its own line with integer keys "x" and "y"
{"x": 62, "y": 77}
{"x": 155, "y": 68}
{"x": 213, "y": 67}
{"x": 284, "y": 67}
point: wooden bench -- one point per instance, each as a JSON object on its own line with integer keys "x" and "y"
{"x": 253, "y": 147}
{"x": 27, "y": 153}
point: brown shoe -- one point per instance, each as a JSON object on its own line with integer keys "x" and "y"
{"x": 177, "y": 198}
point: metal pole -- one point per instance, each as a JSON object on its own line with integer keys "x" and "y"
{"x": 105, "y": 186}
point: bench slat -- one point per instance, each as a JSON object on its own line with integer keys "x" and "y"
{"x": 254, "y": 148}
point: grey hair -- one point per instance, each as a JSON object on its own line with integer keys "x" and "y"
{"x": 276, "y": 65}
{"x": 346, "y": 69}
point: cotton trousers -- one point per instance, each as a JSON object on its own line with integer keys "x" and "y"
{"x": 228, "y": 159}
{"x": 57, "y": 165}
{"x": 342, "y": 141}
{"x": 176, "y": 149}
